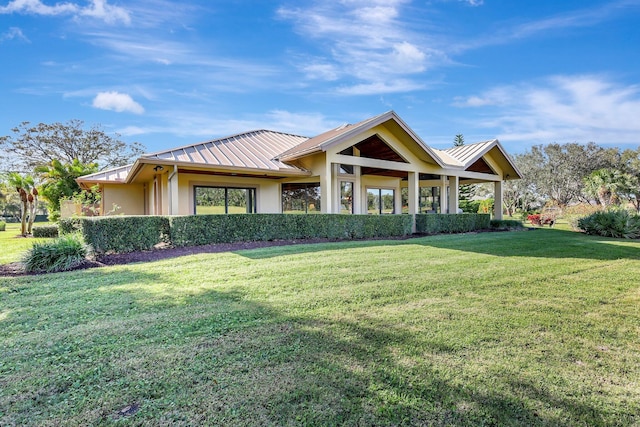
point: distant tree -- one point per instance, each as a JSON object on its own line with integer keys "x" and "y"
{"x": 630, "y": 160}
{"x": 458, "y": 140}
{"x": 558, "y": 170}
{"x": 25, "y": 187}
{"x": 33, "y": 146}
{"x": 59, "y": 182}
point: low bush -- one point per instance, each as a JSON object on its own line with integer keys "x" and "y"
{"x": 451, "y": 223}
{"x": 45, "y": 231}
{"x": 64, "y": 253}
{"x": 613, "y": 223}
{"x": 3, "y": 226}
{"x": 505, "y": 224}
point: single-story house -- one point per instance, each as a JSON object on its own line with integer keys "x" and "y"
{"x": 377, "y": 166}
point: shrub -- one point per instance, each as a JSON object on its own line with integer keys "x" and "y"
{"x": 451, "y": 223}
{"x": 3, "y": 226}
{"x": 69, "y": 225}
{"x": 205, "y": 229}
{"x": 505, "y": 224}
{"x": 122, "y": 233}
{"x": 64, "y": 253}
{"x": 613, "y": 223}
{"x": 45, "y": 231}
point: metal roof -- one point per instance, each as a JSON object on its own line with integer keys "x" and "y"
{"x": 118, "y": 174}
{"x": 254, "y": 150}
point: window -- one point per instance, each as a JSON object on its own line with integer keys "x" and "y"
{"x": 301, "y": 198}
{"x": 380, "y": 201}
{"x": 429, "y": 200}
{"x": 346, "y": 197}
{"x": 224, "y": 200}
{"x": 346, "y": 169}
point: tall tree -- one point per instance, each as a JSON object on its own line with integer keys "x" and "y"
{"x": 59, "y": 181}
{"x": 24, "y": 185}
{"x": 458, "y": 140}
{"x": 33, "y": 146}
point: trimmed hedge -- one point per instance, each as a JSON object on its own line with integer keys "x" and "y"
{"x": 205, "y": 229}
{"x": 119, "y": 233}
{"x": 451, "y": 223}
{"x": 45, "y": 231}
{"x": 133, "y": 233}
{"x": 3, "y": 226}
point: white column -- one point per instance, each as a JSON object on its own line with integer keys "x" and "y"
{"x": 357, "y": 191}
{"x": 326, "y": 189}
{"x": 499, "y": 200}
{"x": 453, "y": 194}
{"x": 414, "y": 192}
{"x": 443, "y": 194}
{"x": 174, "y": 199}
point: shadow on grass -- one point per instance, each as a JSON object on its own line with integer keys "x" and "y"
{"x": 216, "y": 358}
{"x": 538, "y": 243}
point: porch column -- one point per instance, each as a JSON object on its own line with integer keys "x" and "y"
{"x": 357, "y": 192}
{"x": 174, "y": 200}
{"x": 499, "y": 200}
{"x": 414, "y": 201}
{"x": 326, "y": 189}
{"x": 453, "y": 194}
{"x": 443, "y": 194}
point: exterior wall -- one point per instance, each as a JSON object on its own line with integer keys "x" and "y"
{"x": 129, "y": 198}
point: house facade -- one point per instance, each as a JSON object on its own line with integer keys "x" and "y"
{"x": 377, "y": 166}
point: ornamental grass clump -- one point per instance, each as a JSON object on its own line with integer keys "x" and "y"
{"x": 62, "y": 254}
{"x": 613, "y": 223}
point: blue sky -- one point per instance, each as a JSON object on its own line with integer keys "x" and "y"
{"x": 169, "y": 73}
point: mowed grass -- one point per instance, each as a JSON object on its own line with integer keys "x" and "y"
{"x": 517, "y": 328}
{"x": 13, "y": 245}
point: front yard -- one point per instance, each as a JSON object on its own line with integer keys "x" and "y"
{"x": 516, "y": 328}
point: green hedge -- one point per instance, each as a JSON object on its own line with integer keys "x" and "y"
{"x": 45, "y": 231}
{"x": 451, "y": 223}
{"x": 119, "y": 233}
{"x": 132, "y": 233}
{"x": 3, "y": 226}
{"x": 205, "y": 229}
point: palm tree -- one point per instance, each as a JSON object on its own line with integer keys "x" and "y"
{"x": 28, "y": 199}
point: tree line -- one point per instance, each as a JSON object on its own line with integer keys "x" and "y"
{"x": 566, "y": 174}
{"x": 44, "y": 160}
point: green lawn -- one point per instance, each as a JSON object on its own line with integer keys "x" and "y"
{"x": 12, "y": 245}
{"x": 521, "y": 328}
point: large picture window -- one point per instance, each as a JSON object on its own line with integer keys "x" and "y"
{"x": 429, "y": 200}
{"x": 224, "y": 200}
{"x": 380, "y": 201}
{"x": 301, "y": 198}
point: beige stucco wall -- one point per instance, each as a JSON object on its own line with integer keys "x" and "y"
{"x": 129, "y": 199}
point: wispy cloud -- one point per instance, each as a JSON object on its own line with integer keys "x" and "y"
{"x": 98, "y": 9}
{"x": 116, "y": 101}
{"x": 364, "y": 40}
{"x": 201, "y": 126}
{"x": 13, "y": 33}
{"x": 562, "y": 108}
{"x": 551, "y": 25}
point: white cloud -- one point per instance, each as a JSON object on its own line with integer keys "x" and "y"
{"x": 115, "y": 101}
{"x": 99, "y": 9}
{"x": 563, "y": 109}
